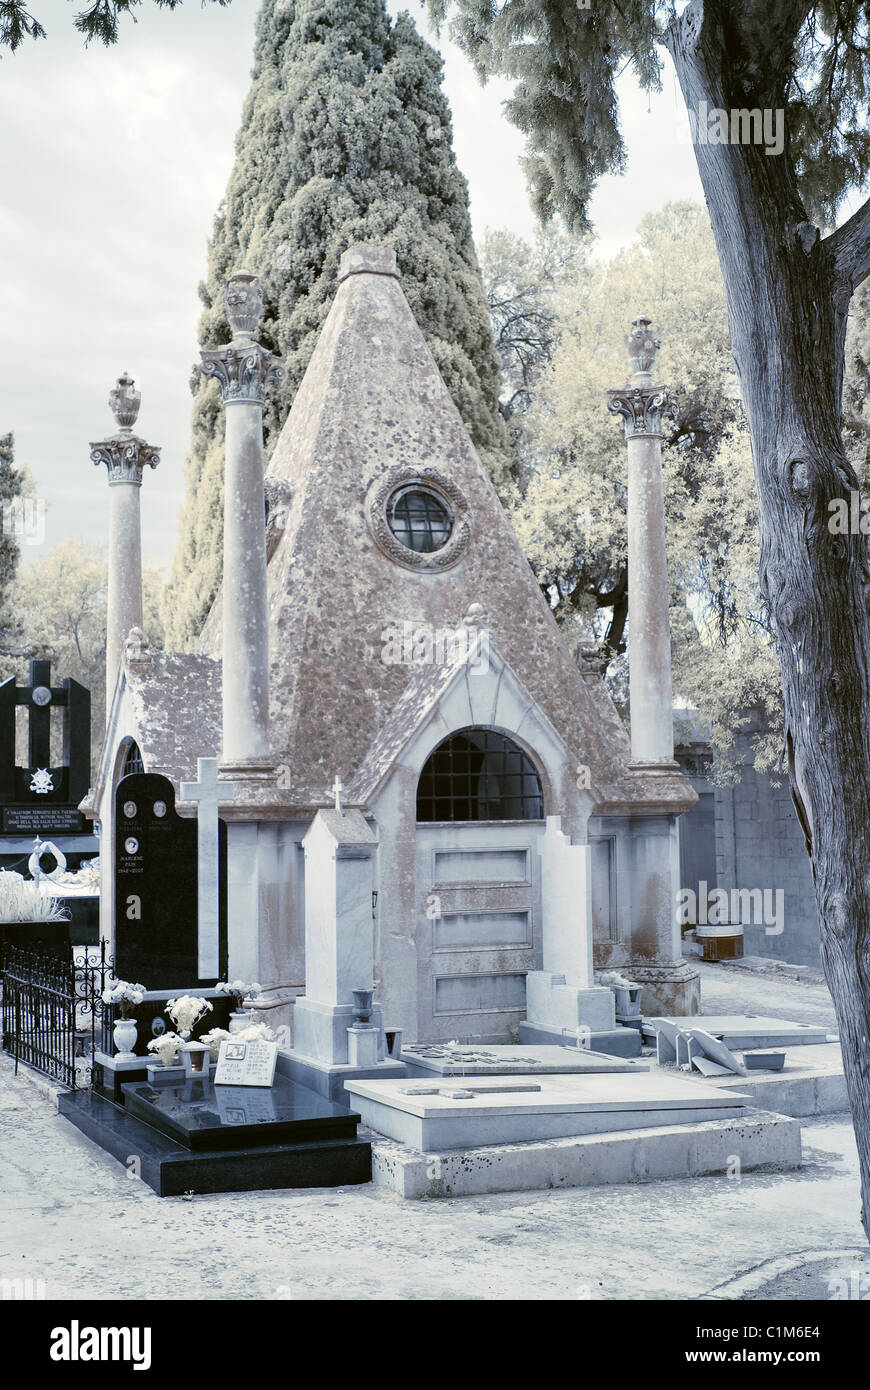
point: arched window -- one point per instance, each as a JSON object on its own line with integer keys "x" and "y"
{"x": 478, "y": 774}
{"x": 133, "y": 761}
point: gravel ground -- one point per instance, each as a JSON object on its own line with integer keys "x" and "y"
{"x": 69, "y": 1216}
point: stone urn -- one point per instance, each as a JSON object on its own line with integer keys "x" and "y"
{"x": 362, "y": 1005}
{"x": 124, "y": 1035}
{"x": 240, "y": 1019}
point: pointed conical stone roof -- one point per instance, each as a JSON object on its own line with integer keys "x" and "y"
{"x": 372, "y": 415}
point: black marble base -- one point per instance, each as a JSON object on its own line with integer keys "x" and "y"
{"x": 171, "y": 1169}
{"x": 109, "y": 1082}
{"x": 201, "y": 1115}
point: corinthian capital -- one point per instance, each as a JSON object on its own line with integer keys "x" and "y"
{"x": 243, "y": 369}
{"x": 125, "y": 454}
{"x": 641, "y": 407}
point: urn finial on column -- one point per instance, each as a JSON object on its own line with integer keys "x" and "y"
{"x": 642, "y": 346}
{"x": 124, "y": 454}
{"x": 641, "y": 403}
{"x": 244, "y": 368}
{"x": 243, "y": 300}
{"x": 124, "y": 401}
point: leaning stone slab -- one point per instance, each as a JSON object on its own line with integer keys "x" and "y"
{"x": 739, "y": 1031}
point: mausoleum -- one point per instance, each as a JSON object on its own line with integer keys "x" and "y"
{"x": 433, "y": 797}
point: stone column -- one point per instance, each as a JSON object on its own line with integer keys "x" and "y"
{"x": 125, "y": 455}
{"x": 641, "y": 404}
{"x": 243, "y": 370}
{"x": 670, "y": 984}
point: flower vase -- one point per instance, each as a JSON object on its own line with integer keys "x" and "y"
{"x": 362, "y": 1004}
{"x": 124, "y": 1035}
{"x": 240, "y": 1019}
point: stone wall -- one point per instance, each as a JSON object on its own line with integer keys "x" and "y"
{"x": 758, "y": 845}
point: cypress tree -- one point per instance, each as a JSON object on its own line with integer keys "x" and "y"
{"x": 345, "y": 137}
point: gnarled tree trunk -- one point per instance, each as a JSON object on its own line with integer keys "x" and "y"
{"x": 788, "y": 293}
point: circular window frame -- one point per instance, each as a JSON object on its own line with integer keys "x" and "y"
{"x": 400, "y": 480}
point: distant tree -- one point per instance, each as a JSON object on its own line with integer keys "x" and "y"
{"x": 571, "y": 512}
{"x": 346, "y": 136}
{"x": 521, "y": 281}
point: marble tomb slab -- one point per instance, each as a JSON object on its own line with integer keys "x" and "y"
{"x": 739, "y": 1031}
{"x": 491, "y": 1110}
{"x": 202, "y": 1115}
{"x": 437, "y": 1059}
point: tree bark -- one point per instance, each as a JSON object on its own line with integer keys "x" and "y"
{"x": 788, "y": 294}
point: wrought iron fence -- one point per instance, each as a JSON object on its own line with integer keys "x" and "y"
{"x": 53, "y": 1016}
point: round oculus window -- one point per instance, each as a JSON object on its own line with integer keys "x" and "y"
{"x": 419, "y": 519}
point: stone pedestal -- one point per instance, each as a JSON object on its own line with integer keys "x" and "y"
{"x": 563, "y": 996}
{"x": 255, "y": 887}
{"x": 329, "y": 1045}
{"x": 670, "y": 983}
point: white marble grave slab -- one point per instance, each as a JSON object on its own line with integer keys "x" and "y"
{"x": 438, "y": 1059}
{"x": 489, "y": 1110}
{"x": 747, "y": 1030}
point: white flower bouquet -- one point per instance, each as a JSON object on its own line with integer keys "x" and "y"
{"x": 239, "y": 989}
{"x": 213, "y": 1040}
{"x": 124, "y": 995}
{"x": 186, "y": 1011}
{"x": 255, "y": 1033}
{"x": 166, "y": 1046}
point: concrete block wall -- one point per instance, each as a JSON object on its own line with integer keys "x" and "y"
{"x": 759, "y": 844}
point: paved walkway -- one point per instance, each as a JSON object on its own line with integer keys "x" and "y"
{"x": 70, "y": 1216}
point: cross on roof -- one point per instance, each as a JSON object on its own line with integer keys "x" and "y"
{"x": 337, "y": 789}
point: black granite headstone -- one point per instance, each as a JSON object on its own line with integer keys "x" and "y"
{"x": 41, "y": 799}
{"x": 156, "y": 887}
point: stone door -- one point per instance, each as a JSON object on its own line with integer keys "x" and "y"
{"x": 478, "y": 927}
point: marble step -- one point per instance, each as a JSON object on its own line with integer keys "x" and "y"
{"x": 172, "y": 1170}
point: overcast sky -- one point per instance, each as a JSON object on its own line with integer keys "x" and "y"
{"x": 113, "y": 164}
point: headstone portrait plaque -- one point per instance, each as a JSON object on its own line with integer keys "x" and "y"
{"x": 246, "y": 1063}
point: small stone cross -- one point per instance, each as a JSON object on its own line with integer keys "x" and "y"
{"x": 205, "y": 793}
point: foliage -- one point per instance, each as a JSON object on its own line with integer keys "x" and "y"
{"x": 565, "y": 61}
{"x": 571, "y": 516}
{"x": 99, "y": 20}
{"x": 22, "y": 900}
{"x": 345, "y": 137}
